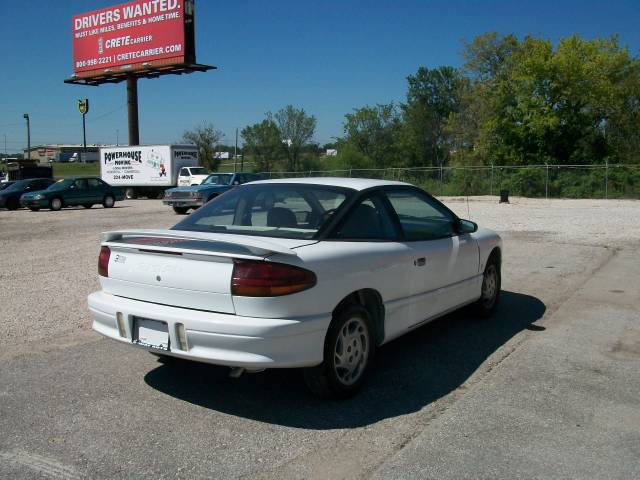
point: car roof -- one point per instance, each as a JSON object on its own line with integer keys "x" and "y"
{"x": 353, "y": 183}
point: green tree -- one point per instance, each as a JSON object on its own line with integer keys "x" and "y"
{"x": 262, "y": 141}
{"x": 373, "y": 132}
{"x": 206, "y": 139}
{"x": 433, "y": 95}
{"x": 296, "y": 131}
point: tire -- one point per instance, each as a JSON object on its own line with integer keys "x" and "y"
{"x": 87, "y": 205}
{"x": 55, "y": 204}
{"x": 349, "y": 348}
{"x": 181, "y": 210}
{"x": 130, "y": 193}
{"x": 34, "y": 209}
{"x": 108, "y": 201}
{"x": 13, "y": 203}
{"x": 491, "y": 283}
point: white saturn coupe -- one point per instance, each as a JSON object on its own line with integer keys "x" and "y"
{"x": 312, "y": 272}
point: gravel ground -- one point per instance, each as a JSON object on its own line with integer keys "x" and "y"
{"x": 542, "y": 380}
{"x": 48, "y": 259}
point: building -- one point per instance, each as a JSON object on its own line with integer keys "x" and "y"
{"x": 63, "y": 153}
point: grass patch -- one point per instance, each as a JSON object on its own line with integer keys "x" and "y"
{"x": 61, "y": 170}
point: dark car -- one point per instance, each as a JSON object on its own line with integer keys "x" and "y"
{"x": 10, "y": 196}
{"x": 68, "y": 192}
{"x": 4, "y": 185}
{"x": 184, "y": 198}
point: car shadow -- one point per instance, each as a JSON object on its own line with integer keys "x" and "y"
{"x": 408, "y": 373}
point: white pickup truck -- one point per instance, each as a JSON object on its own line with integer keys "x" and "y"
{"x": 192, "y": 176}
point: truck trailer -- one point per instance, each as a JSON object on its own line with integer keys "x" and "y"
{"x": 145, "y": 170}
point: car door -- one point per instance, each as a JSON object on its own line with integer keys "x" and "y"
{"x": 95, "y": 190}
{"x": 77, "y": 193}
{"x": 446, "y": 263}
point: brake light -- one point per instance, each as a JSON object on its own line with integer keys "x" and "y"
{"x": 103, "y": 261}
{"x": 252, "y": 278}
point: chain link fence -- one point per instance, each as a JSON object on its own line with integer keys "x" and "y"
{"x": 545, "y": 181}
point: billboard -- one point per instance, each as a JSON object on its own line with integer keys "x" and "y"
{"x": 133, "y": 36}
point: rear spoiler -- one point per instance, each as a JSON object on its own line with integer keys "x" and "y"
{"x": 198, "y": 243}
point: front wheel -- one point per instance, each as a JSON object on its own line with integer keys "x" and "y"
{"x": 491, "y": 284}
{"x": 13, "y": 203}
{"x": 108, "y": 201}
{"x": 181, "y": 210}
{"x": 348, "y": 352}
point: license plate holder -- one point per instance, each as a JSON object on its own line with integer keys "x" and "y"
{"x": 151, "y": 333}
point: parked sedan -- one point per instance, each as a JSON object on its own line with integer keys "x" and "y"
{"x": 314, "y": 273}
{"x": 184, "y": 198}
{"x": 4, "y": 185}
{"x": 68, "y": 192}
{"x": 10, "y": 196}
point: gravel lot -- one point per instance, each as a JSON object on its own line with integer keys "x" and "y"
{"x": 548, "y": 388}
{"x": 49, "y": 258}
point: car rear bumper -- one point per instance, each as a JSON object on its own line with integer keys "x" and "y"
{"x": 218, "y": 338}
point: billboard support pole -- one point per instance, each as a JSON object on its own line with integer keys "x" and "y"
{"x": 84, "y": 137}
{"x": 132, "y": 107}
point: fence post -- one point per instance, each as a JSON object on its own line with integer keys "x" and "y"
{"x": 546, "y": 183}
{"x": 350, "y": 173}
{"x": 491, "y": 184}
{"x": 441, "y": 187}
{"x": 606, "y": 179}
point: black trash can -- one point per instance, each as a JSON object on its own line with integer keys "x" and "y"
{"x": 504, "y": 196}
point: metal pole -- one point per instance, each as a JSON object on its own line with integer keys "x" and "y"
{"x": 546, "y": 184}
{"x": 491, "y": 184}
{"x": 441, "y": 179}
{"x": 606, "y": 180}
{"x": 132, "y": 107}
{"x": 84, "y": 138}
{"x": 26, "y": 116}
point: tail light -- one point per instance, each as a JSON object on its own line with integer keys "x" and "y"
{"x": 253, "y": 278}
{"x": 103, "y": 261}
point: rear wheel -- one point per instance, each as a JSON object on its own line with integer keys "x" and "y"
{"x": 491, "y": 283}
{"x": 108, "y": 201}
{"x": 87, "y": 205}
{"x": 348, "y": 352}
{"x": 181, "y": 210}
{"x": 55, "y": 204}
{"x": 13, "y": 203}
{"x": 130, "y": 193}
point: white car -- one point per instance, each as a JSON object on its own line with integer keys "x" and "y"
{"x": 188, "y": 176}
{"x": 313, "y": 272}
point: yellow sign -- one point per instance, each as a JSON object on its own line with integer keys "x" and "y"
{"x": 83, "y": 106}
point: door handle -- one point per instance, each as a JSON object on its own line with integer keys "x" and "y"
{"x": 420, "y": 262}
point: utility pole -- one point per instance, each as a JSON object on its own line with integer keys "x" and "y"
{"x": 235, "y": 153}
{"x": 26, "y": 116}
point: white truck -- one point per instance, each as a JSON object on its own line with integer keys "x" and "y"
{"x": 145, "y": 170}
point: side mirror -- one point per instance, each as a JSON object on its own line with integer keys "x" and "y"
{"x": 467, "y": 226}
{"x": 236, "y": 182}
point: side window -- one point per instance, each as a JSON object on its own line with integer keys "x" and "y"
{"x": 421, "y": 218}
{"x": 80, "y": 184}
{"x": 368, "y": 220}
{"x": 94, "y": 183}
{"x": 184, "y": 172}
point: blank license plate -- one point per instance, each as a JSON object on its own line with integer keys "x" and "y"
{"x": 151, "y": 333}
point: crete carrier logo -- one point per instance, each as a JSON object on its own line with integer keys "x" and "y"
{"x": 127, "y": 157}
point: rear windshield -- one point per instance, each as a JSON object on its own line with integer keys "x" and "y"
{"x": 268, "y": 210}
{"x": 198, "y": 170}
{"x": 217, "y": 180}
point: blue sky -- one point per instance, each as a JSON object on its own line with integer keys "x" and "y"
{"x": 327, "y": 57}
